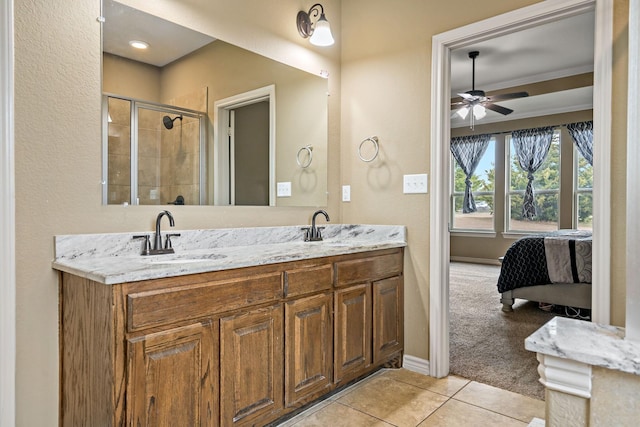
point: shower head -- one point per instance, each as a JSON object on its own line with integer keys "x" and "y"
{"x": 168, "y": 121}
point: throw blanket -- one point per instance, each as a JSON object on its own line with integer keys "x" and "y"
{"x": 547, "y": 258}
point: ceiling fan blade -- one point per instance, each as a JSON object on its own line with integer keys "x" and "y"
{"x": 505, "y": 96}
{"x": 498, "y": 108}
{"x": 466, "y": 96}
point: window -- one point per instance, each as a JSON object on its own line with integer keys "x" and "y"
{"x": 483, "y": 189}
{"x": 546, "y": 186}
{"x": 583, "y": 189}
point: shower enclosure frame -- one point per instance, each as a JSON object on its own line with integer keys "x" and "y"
{"x": 135, "y": 104}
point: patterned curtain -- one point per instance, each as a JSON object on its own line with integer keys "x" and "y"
{"x": 582, "y": 134}
{"x": 532, "y": 147}
{"x": 468, "y": 150}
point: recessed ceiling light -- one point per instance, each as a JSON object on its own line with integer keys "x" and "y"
{"x": 139, "y": 44}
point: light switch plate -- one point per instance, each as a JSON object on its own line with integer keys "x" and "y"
{"x": 415, "y": 184}
{"x": 346, "y": 193}
{"x": 284, "y": 189}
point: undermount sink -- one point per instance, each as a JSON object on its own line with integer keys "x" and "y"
{"x": 183, "y": 258}
{"x": 329, "y": 243}
{"x": 177, "y": 261}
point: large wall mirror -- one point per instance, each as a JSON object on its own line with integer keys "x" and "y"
{"x": 190, "y": 119}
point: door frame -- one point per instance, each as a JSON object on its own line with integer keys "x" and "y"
{"x": 442, "y": 44}
{"x": 7, "y": 220}
{"x": 220, "y": 152}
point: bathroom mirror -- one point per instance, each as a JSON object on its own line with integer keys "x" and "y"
{"x": 195, "y": 120}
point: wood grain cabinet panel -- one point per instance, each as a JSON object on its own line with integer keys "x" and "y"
{"x": 251, "y": 364}
{"x": 368, "y": 269}
{"x": 173, "y": 377}
{"x": 308, "y": 348}
{"x": 352, "y": 336}
{"x": 388, "y": 315}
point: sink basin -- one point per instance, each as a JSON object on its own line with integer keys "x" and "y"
{"x": 183, "y": 258}
{"x": 178, "y": 261}
{"x": 336, "y": 244}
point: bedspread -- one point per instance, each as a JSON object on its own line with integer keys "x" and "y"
{"x": 562, "y": 256}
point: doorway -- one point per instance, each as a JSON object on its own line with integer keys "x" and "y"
{"x": 249, "y": 148}
{"x": 440, "y": 157}
{"x": 244, "y": 149}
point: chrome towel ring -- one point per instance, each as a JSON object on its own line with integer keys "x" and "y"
{"x": 305, "y": 164}
{"x": 376, "y": 146}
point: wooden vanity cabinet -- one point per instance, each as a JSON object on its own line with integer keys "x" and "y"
{"x": 173, "y": 377}
{"x": 251, "y": 351}
{"x": 368, "y": 314}
{"x": 236, "y": 347}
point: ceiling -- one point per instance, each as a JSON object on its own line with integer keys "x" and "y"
{"x": 167, "y": 41}
{"x": 557, "y": 49}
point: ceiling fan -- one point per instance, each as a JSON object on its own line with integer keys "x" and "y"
{"x": 478, "y": 102}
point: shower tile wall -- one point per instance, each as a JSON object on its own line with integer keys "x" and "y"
{"x": 149, "y": 157}
{"x": 181, "y": 161}
{"x": 168, "y": 159}
{"x": 119, "y": 152}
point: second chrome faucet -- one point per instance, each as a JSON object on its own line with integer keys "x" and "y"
{"x": 313, "y": 233}
{"x": 158, "y": 249}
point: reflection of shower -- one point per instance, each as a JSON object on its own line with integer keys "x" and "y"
{"x": 168, "y": 121}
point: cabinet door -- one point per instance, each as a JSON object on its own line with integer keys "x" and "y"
{"x": 251, "y": 365}
{"x": 388, "y": 318}
{"x": 308, "y": 348}
{"x": 173, "y": 377}
{"x": 352, "y": 336}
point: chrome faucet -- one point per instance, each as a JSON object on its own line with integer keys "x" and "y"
{"x": 313, "y": 233}
{"x": 157, "y": 242}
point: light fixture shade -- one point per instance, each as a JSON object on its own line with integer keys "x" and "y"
{"x": 322, "y": 33}
{"x": 462, "y": 112}
{"x": 479, "y": 111}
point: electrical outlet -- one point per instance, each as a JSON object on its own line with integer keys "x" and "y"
{"x": 415, "y": 184}
{"x": 284, "y": 189}
{"x": 346, "y": 193}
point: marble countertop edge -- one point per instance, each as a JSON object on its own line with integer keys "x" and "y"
{"x": 590, "y": 343}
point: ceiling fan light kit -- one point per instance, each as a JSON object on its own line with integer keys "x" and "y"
{"x": 478, "y": 101}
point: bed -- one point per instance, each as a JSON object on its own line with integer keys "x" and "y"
{"x": 553, "y": 268}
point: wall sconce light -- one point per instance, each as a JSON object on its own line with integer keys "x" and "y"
{"x": 320, "y": 33}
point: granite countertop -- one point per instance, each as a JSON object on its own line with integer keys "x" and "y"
{"x": 586, "y": 342}
{"x": 115, "y": 257}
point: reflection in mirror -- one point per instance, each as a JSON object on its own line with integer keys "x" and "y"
{"x": 209, "y": 156}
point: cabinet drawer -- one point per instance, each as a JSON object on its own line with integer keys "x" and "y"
{"x": 172, "y": 305}
{"x": 368, "y": 269}
{"x": 308, "y": 279}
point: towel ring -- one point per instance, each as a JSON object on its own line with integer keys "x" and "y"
{"x": 308, "y": 149}
{"x": 374, "y": 141}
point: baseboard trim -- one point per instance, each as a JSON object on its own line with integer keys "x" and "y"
{"x": 475, "y": 260}
{"x": 416, "y": 364}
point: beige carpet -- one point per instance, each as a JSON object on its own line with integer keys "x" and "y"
{"x": 486, "y": 344}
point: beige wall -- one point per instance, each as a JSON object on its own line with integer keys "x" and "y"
{"x": 131, "y": 79}
{"x": 382, "y": 88}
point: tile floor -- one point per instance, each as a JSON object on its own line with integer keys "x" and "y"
{"x": 399, "y": 397}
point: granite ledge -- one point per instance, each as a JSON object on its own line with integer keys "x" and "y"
{"x": 586, "y": 342}
{"x": 114, "y": 258}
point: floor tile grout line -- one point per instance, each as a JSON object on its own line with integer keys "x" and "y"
{"x": 366, "y": 413}
{"x": 490, "y": 410}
